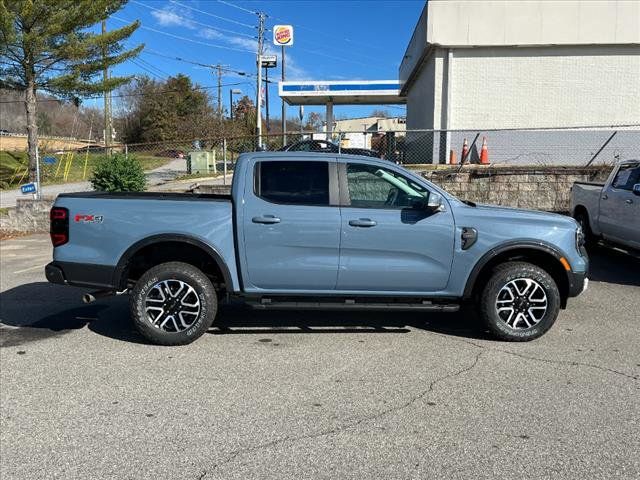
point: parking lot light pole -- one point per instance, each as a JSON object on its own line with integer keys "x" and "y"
{"x": 232, "y": 91}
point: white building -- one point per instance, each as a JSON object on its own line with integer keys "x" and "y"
{"x": 522, "y": 64}
{"x": 359, "y": 132}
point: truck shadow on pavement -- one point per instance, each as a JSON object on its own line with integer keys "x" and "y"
{"x": 40, "y": 310}
{"x": 614, "y": 266}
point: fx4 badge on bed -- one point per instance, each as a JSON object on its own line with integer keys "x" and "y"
{"x": 81, "y": 218}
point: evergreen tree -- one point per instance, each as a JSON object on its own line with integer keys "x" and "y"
{"x": 51, "y": 46}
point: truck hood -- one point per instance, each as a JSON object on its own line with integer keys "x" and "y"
{"x": 517, "y": 222}
{"x": 512, "y": 211}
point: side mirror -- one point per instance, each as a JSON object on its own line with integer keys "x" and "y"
{"x": 636, "y": 189}
{"x": 434, "y": 202}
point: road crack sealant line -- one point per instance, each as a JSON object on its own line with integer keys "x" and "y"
{"x": 566, "y": 363}
{"x": 357, "y": 422}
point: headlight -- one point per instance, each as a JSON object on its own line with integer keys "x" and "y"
{"x": 579, "y": 240}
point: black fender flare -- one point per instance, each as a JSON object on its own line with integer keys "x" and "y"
{"x": 505, "y": 247}
{"x": 169, "y": 237}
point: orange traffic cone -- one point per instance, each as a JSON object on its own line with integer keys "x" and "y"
{"x": 484, "y": 152}
{"x": 452, "y": 157}
{"x": 465, "y": 151}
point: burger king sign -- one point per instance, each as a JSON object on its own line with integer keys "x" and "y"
{"x": 283, "y": 35}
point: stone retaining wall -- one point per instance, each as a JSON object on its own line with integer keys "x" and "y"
{"x": 541, "y": 188}
{"x": 29, "y": 216}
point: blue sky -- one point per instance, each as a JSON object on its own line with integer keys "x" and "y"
{"x": 334, "y": 40}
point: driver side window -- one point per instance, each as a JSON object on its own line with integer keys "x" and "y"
{"x": 374, "y": 187}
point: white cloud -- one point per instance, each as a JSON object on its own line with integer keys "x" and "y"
{"x": 167, "y": 18}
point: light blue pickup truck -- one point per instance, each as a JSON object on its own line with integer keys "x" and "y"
{"x": 308, "y": 230}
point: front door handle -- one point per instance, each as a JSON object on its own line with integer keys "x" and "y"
{"x": 266, "y": 219}
{"x": 363, "y": 222}
{"x": 629, "y": 201}
{"x": 605, "y": 196}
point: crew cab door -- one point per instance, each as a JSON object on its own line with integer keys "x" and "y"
{"x": 291, "y": 226}
{"x": 390, "y": 242}
{"x": 619, "y": 218}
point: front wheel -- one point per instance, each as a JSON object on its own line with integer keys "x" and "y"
{"x": 173, "y": 303}
{"x": 520, "y": 302}
{"x": 583, "y": 220}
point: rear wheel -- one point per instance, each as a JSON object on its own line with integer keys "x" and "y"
{"x": 173, "y": 303}
{"x": 520, "y": 302}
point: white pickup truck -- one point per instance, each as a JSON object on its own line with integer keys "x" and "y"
{"x": 610, "y": 211}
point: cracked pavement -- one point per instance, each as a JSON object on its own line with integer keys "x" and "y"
{"x": 315, "y": 394}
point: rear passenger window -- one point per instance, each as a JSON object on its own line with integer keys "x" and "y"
{"x": 296, "y": 183}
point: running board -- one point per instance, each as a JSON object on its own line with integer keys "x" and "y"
{"x": 269, "y": 304}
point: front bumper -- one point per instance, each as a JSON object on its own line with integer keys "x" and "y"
{"x": 578, "y": 282}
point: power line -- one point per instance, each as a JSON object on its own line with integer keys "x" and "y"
{"x": 147, "y": 67}
{"x": 185, "y": 38}
{"x": 238, "y": 7}
{"x": 252, "y": 27}
{"x": 320, "y": 32}
{"x": 150, "y": 51}
{"x": 207, "y": 87}
{"x": 194, "y": 22}
{"x": 313, "y": 52}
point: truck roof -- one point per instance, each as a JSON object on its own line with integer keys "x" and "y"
{"x": 309, "y": 156}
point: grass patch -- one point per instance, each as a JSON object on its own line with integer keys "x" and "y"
{"x": 67, "y": 168}
{"x": 4, "y": 211}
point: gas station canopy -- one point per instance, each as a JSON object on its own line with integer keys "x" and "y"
{"x": 342, "y": 92}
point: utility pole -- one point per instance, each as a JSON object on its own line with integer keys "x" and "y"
{"x": 284, "y": 109}
{"x": 266, "y": 97}
{"x": 261, "y": 18}
{"x": 107, "y": 99}
{"x": 219, "y": 68}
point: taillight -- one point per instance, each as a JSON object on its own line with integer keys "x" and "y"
{"x": 59, "y": 231}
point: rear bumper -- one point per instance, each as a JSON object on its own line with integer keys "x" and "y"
{"x": 80, "y": 274}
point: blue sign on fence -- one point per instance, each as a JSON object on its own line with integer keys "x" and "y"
{"x": 50, "y": 160}
{"x": 28, "y": 188}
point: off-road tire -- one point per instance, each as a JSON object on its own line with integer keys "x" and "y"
{"x": 501, "y": 276}
{"x": 174, "y": 272}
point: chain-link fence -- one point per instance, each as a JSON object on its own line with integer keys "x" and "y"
{"x": 67, "y": 160}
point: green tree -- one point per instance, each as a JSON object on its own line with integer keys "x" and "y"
{"x": 49, "y": 45}
{"x": 118, "y": 173}
{"x": 170, "y": 110}
{"x": 44, "y": 123}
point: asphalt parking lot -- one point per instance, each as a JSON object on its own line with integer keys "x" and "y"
{"x": 315, "y": 394}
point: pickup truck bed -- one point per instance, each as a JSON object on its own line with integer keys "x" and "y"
{"x": 140, "y": 219}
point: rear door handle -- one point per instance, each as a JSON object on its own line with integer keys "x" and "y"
{"x": 629, "y": 201}
{"x": 605, "y": 196}
{"x": 363, "y": 222}
{"x": 266, "y": 219}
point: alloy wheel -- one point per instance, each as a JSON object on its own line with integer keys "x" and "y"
{"x": 521, "y": 303}
{"x": 172, "y": 305}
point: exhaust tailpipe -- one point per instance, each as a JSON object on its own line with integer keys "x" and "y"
{"x": 91, "y": 297}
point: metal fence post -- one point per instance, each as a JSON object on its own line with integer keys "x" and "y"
{"x": 38, "y": 193}
{"x": 224, "y": 161}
